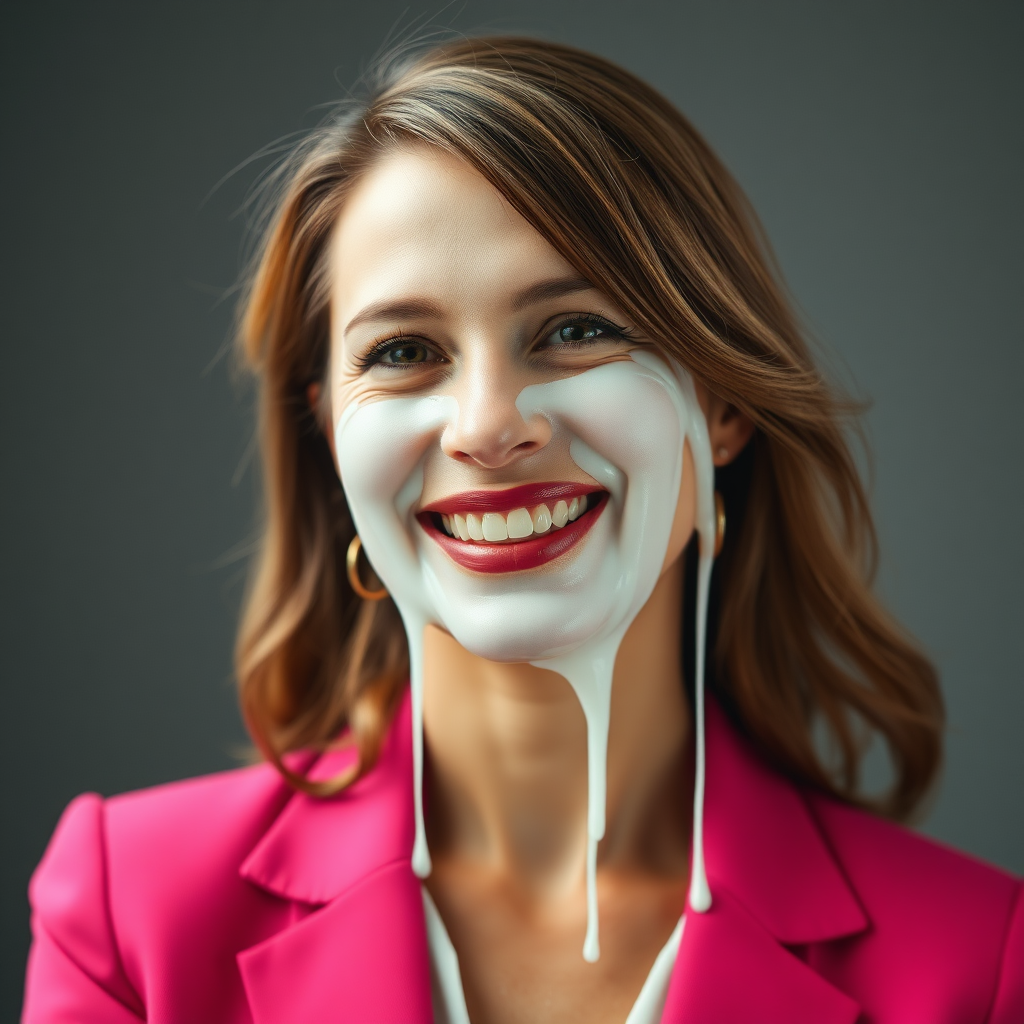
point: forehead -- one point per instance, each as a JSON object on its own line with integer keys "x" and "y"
{"x": 421, "y": 220}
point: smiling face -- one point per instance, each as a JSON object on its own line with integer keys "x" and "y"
{"x": 458, "y": 320}
{"x": 512, "y": 452}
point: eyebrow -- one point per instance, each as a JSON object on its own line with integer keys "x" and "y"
{"x": 408, "y": 309}
{"x": 553, "y": 289}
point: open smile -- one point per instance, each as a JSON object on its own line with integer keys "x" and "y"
{"x": 515, "y": 529}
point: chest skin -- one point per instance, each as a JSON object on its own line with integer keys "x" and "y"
{"x": 521, "y": 957}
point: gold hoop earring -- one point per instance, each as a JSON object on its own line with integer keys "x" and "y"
{"x": 353, "y": 573}
{"x": 719, "y": 523}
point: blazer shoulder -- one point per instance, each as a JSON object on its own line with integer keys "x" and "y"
{"x": 883, "y": 855}
{"x": 962, "y": 919}
{"x": 126, "y": 879}
{"x": 161, "y": 837}
{"x": 201, "y": 813}
{"x": 71, "y": 925}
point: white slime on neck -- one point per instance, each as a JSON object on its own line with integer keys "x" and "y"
{"x": 626, "y": 423}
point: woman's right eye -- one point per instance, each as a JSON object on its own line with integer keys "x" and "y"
{"x": 400, "y": 352}
{"x": 404, "y": 354}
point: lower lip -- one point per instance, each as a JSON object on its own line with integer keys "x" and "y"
{"x": 518, "y": 555}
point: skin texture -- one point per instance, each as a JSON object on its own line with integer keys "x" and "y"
{"x": 427, "y": 253}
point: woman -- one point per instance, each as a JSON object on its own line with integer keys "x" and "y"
{"x": 515, "y": 305}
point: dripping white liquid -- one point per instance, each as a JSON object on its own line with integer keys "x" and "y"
{"x": 570, "y": 618}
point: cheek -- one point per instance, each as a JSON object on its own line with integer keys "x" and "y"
{"x": 686, "y": 512}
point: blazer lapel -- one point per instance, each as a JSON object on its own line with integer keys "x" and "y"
{"x": 774, "y": 883}
{"x": 362, "y": 959}
{"x": 731, "y": 969}
{"x": 359, "y": 953}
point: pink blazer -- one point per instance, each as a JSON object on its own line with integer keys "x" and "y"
{"x": 230, "y": 899}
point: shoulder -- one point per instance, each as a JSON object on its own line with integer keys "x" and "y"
{"x": 931, "y": 907}
{"x": 889, "y": 865}
{"x": 137, "y": 863}
{"x": 195, "y": 823}
{"x": 132, "y": 885}
{"x": 201, "y": 819}
{"x": 192, "y": 827}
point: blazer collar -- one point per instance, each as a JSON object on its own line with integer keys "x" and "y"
{"x": 362, "y": 957}
{"x": 316, "y": 849}
{"x": 763, "y": 845}
{"x": 774, "y": 881}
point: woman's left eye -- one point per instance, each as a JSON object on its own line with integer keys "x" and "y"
{"x": 581, "y": 331}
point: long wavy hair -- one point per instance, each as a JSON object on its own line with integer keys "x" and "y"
{"x": 804, "y": 658}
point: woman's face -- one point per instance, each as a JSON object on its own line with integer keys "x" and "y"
{"x": 499, "y": 405}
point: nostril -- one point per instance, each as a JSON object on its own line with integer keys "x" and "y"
{"x": 494, "y": 440}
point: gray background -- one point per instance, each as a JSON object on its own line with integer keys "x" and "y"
{"x": 881, "y": 143}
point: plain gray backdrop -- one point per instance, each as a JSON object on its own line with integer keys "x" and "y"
{"x": 880, "y": 142}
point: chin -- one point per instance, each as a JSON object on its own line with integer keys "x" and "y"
{"x": 534, "y": 614}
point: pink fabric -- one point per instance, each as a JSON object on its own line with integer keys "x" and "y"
{"x": 231, "y": 900}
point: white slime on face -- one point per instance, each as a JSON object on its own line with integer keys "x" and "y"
{"x": 626, "y": 423}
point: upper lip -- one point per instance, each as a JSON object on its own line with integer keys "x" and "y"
{"x": 509, "y": 499}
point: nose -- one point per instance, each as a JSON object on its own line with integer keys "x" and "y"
{"x": 490, "y": 432}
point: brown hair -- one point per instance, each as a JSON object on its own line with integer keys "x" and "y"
{"x": 625, "y": 189}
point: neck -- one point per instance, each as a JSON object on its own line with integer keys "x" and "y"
{"x": 507, "y": 756}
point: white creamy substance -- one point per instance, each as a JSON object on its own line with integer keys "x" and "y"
{"x": 626, "y": 423}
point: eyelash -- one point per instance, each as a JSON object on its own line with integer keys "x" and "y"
{"x": 611, "y": 331}
{"x": 385, "y": 344}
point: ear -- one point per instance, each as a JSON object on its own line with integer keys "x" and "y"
{"x": 313, "y": 393}
{"x": 729, "y": 430}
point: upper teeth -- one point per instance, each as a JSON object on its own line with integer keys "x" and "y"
{"x": 518, "y": 524}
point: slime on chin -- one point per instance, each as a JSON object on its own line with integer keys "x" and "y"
{"x": 571, "y": 615}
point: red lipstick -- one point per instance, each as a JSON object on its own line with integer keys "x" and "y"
{"x": 516, "y": 555}
{"x": 524, "y": 496}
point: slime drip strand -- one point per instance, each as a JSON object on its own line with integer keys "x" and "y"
{"x": 625, "y": 423}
